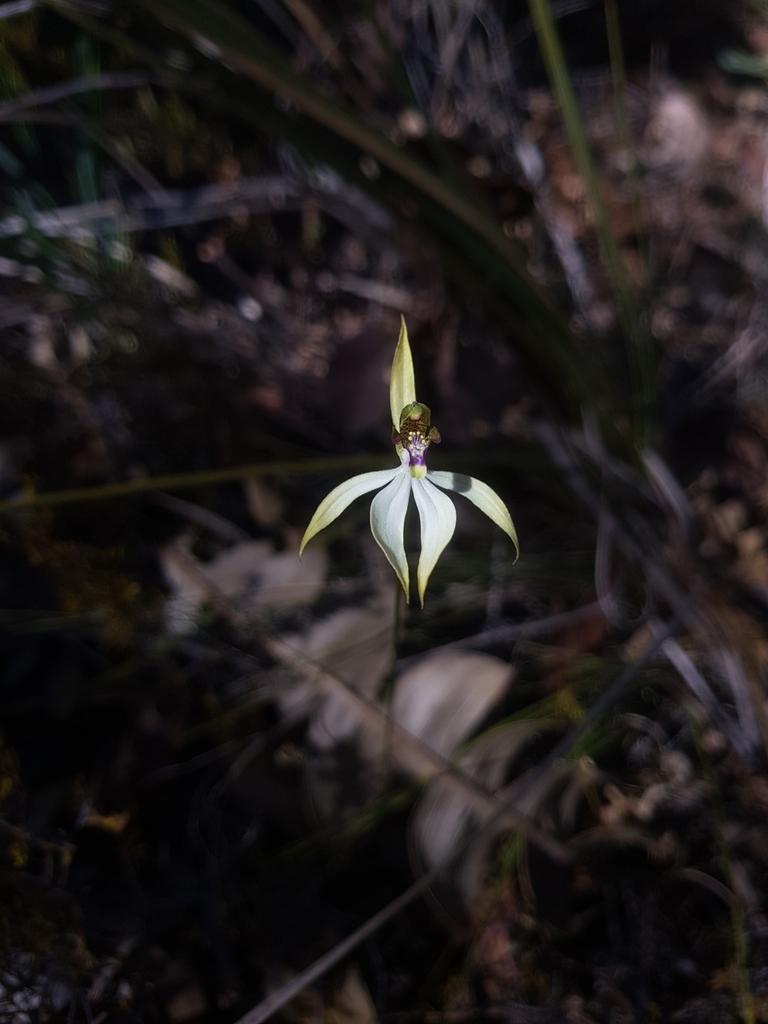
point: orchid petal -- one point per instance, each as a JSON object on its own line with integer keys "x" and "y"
{"x": 402, "y": 382}
{"x": 438, "y": 521}
{"x": 388, "y": 510}
{"x": 480, "y": 494}
{"x": 341, "y": 497}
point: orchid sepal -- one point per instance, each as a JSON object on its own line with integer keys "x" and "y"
{"x": 402, "y": 380}
{"x": 481, "y": 495}
{"x": 341, "y": 498}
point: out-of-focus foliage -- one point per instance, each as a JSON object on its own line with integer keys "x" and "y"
{"x": 218, "y": 761}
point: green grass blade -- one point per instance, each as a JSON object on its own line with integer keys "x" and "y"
{"x": 636, "y": 336}
{"x": 468, "y": 239}
{"x": 626, "y": 138}
{"x": 203, "y": 478}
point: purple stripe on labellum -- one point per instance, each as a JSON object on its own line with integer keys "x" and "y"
{"x": 416, "y": 446}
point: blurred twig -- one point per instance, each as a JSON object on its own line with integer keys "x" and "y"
{"x": 518, "y": 631}
{"x": 76, "y": 87}
{"x": 165, "y": 208}
{"x": 200, "y": 479}
{"x": 648, "y": 553}
{"x": 315, "y": 30}
{"x": 698, "y": 686}
{"x": 11, "y": 10}
{"x": 204, "y": 517}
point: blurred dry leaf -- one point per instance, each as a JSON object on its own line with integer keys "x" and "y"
{"x": 81, "y": 348}
{"x": 439, "y": 716}
{"x": 445, "y": 811}
{"x": 678, "y": 133}
{"x": 752, "y": 564}
{"x": 356, "y": 646}
{"x": 256, "y": 578}
{"x": 187, "y": 591}
{"x": 264, "y": 503}
{"x": 728, "y": 519}
{"x": 115, "y": 823}
{"x": 495, "y": 962}
{"x": 676, "y": 787}
{"x": 448, "y": 811}
{"x": 166, "y": 274}
{"x": 351, "y": 1002}
{"x": 40, "y": 350}
{"x": 249, "y": 578}
{"x": 638, "y": 643}
{"x": 305, "y": 1008}
{"x": 186, "y": 1005}
{"x": 445, "y": 695}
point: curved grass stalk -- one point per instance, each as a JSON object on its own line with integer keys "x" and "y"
{"x": 217, "y": 31}
{"x": 471, "y": 244}
{"x": 208, "y": 477}
{"x": 636, "y": 336}
{"x": 176, "y": 481}
{"x": 626, "y": 138}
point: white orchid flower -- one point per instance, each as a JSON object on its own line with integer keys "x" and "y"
{"x": 412, "y": 434}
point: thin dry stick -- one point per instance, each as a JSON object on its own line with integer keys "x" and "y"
{"x": 314, "y": 28}
{"x": 163, "y": 208}
{"x": 76, "y": 87}
{"x": 175, "y": 481}
{"x": 683, "y": 663}
{"x": 204, "y": 517}
{"x": 271, "y": 75}
{"x": 606, "y": 700}
{"x": 660, "y": 579}
{"x": 278, "y": 999}
{"x": 657, "y": 573}
{"x": 16, "y": 7}
{"x": 534, "y": 627}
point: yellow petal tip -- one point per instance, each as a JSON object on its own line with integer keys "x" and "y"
{"x": 304, "y": 541}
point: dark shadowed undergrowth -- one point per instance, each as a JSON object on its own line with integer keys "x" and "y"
{"x": 236, "y": 785}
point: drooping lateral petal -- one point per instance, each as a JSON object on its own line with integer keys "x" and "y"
{"x": 388, "y": 510}
{"x": 480, "y": 494}
{"x": 402, "y": 382}
{"x": 438, "y": 521}
{"x": 341, "y": 497}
